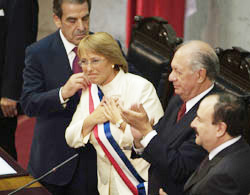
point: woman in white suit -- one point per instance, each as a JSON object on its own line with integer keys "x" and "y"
{"x": 97, "y": 119}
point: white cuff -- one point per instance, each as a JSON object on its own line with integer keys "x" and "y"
{"x": 61, "y": 98}
{"x": 138, "y": 150}
{"x": 145, "y": 141}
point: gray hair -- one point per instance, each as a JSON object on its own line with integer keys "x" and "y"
{"x": 204, "y": 58}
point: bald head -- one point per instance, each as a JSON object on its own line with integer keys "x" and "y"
{"x": 194, "y": 68}
{"x": 201, "y": 55}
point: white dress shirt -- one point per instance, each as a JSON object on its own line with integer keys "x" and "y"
{"x": 189, "y": 104}
{"x": 71, "y": 56}
{"x": 221, "y": 147}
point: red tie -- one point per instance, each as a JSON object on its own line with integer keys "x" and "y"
{"x": 181, "y": 111}
{"x": 75, "y": 67}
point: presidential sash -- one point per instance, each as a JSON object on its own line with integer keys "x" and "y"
{"x": 112, "y": 150}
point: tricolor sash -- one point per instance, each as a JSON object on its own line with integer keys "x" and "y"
{"x": 112, "y": 150}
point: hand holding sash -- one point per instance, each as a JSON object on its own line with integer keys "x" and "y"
{"x": 95, "y": 118}
{"x": 99, "y": 113}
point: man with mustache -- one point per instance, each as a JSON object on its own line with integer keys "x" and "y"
{"x": 219, "y": 127}
{"x": 52, "y": 82}
{"x": 170, "y": 145}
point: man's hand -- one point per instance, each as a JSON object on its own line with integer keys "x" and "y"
{"x": 9, "y": 107}
{"x": 76, "y": 82}
{"x": 161, "y": 192}
{"x": 137, "y": 137}
{"x": 137, "y": 118}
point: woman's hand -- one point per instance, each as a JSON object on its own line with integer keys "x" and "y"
{"x": 99, "y": 114}
{"x": 111, "y": 109}
{"x": 96, "y": 117}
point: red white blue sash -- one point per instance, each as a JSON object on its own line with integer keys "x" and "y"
{"x": 112, "y": 150}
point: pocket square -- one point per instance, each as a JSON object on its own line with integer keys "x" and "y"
{"x": 1, "y": 12}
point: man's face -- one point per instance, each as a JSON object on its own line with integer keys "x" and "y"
{"x": 183, "y": 77}
{"x": 74, "y": 23}
{"x": 202, "y": 124}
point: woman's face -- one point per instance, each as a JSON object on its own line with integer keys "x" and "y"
{"x": 97, "y": 68}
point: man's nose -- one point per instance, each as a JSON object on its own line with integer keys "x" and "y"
{"x": 81, "y": 25}
{"x": 192, "y": 125}
{"x": 171, "y": 77}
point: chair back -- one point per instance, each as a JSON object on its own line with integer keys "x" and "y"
{"x": 150, "y": 52}
{"x": 234, "y": 76}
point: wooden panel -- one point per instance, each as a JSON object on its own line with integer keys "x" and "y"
{"x": 12, "y": 183}
{"x": 235, "y": 76}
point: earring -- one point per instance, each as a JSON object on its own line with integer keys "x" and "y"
{"x": 113, "y": 66}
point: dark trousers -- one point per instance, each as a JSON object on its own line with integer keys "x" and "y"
{"x": 7, "y": 135}
{"x": 75, "y": 187}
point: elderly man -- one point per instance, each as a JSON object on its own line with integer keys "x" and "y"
{"x": 50, "y": 93}
{"x": 219, "y": 126}
{"x": 170, "y": 146}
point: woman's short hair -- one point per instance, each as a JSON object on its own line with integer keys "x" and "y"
{"x": 103, "y": 44}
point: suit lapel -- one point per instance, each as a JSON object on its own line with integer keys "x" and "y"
{"x": 60, "y": 58}
{"x": 181, "y": 126}
{"x": 199, "y": 175}
{"x": 196, "y": 178}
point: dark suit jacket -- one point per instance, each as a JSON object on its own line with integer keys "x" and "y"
{"x": 18, "y": 30}
{"x": 173, "y": 154}
{"x": 227, "y": 173}
{"x": 47, "y": 69}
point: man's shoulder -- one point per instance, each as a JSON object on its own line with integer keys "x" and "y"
{"x": 238, "y": 153}
{"x": 45, "y": 42}
{"x": 242, "y": 152}
{"x": 175, "y": 101}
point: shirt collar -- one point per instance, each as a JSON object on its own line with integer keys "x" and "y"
{"x": 193, "y": 101}
{"x": 68, "y": 46}
{"x": 221, "y": 147}
{"x": 114, "y": 83}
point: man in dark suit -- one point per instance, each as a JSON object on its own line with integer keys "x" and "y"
{"x": 18, "y": 22}
{"x": 50, "y": 94}
{"x": 219, "y": 126}
{"x": 170, "y": 148}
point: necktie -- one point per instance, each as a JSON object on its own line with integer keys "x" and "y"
{"x": 181, "y": 111}
{"x": 203, "y": 164}
{"x": 75, "y": 67}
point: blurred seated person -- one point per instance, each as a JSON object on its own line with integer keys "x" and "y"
{"x": 219, "y": 127}
{"x": 97, "y": 119}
